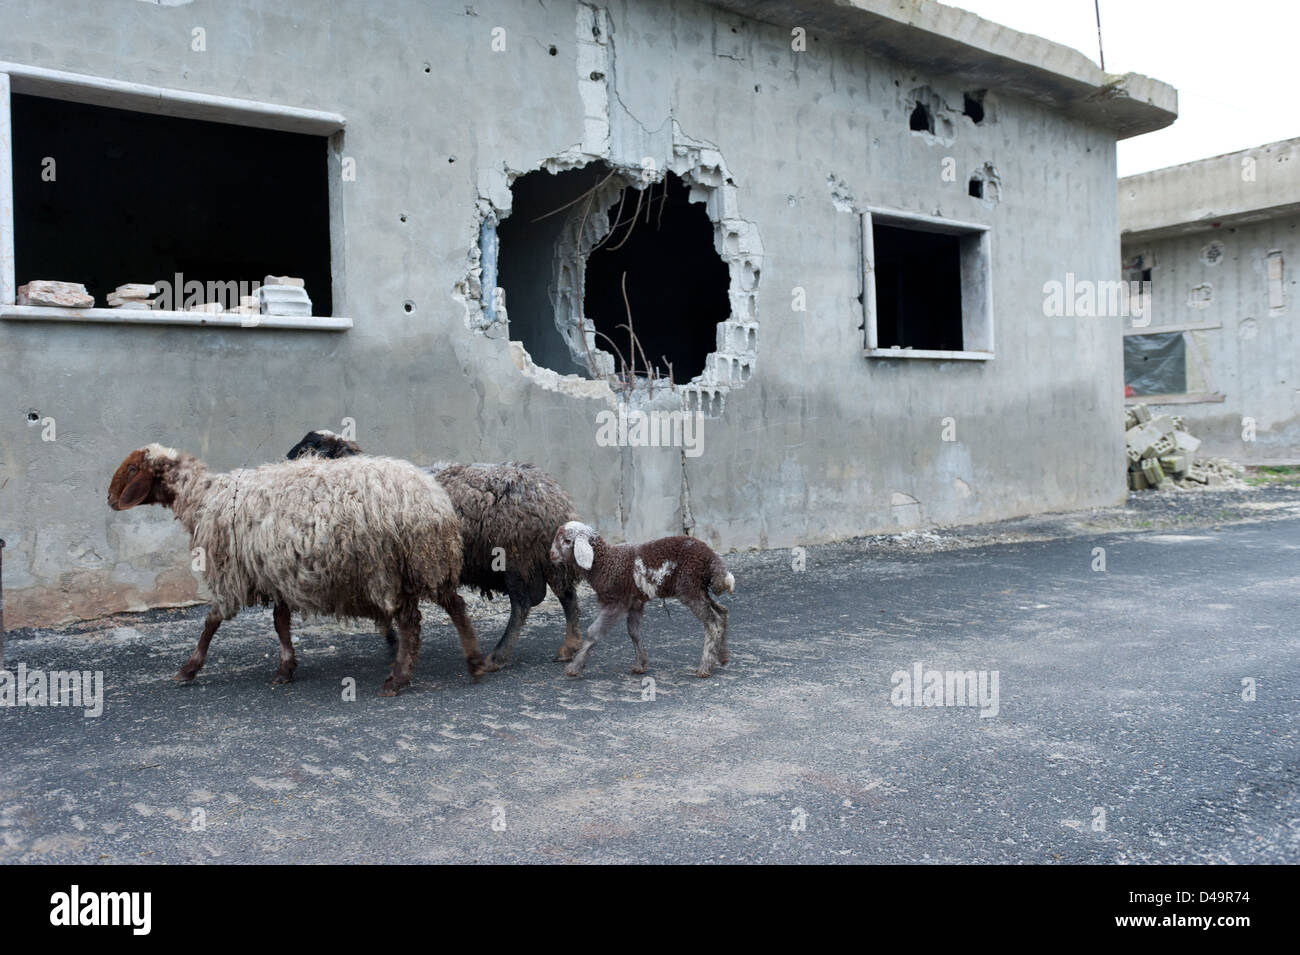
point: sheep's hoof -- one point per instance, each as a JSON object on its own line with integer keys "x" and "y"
{"x": 391, "y": 686}
{"x": 639, "y": 669}
{"x": 281, "y": 678}
{"x": 703, "y": 674}
{"x": 183, "y": 677}
{"x": 572, "y": 671}
{"x": 491, "y": 665}
{"x": 565, "y": 654}
{"x": 476, "y": 665}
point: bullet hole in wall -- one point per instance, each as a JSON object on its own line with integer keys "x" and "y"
{"x": 921, "y": 120}
{"x": 553, "y": 51}
{"x": 973, "y": 105}
{"x": 976, "y": 188}
{"x": 408, "y": 306}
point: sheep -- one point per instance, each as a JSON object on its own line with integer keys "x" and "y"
{"x": 359, "y": 537}
{"x": 514, "y": 507}
{"x": 626, "y": 576}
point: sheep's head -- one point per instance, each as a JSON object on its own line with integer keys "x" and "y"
{"x": 324, "y": 444}
{"x": 140, "y": 479}
{"x": 572, "y": 544}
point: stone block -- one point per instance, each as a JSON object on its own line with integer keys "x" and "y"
{"x": 1175, "y": 464}
{"x": 52, "y": 294}
{"x": 284, "y": 280}
{"x": 1152, "y": 471}
{"x": 133, "y": 290}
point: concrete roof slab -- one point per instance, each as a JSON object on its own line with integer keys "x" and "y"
{"x": 948, "y": 41}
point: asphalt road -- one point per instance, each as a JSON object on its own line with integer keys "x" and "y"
{"x": 1121, "y": 734}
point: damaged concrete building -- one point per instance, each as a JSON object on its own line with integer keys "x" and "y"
{"x": 828, "y": 223}
{"x": 1214, "y": 238}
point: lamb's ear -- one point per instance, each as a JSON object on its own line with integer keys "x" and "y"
{"x": 582, "y": 553}
{"x": 137, "y": 490}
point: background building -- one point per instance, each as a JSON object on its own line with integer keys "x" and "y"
{"x": 1214, "y": 239}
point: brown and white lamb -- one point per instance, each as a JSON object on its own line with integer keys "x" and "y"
{"x": 627, "y": 576}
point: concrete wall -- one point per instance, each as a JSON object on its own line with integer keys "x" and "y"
{"x": 1253, "y": 360}
{"x": 1247, "y": 185}
{"x": 820, "y": 443}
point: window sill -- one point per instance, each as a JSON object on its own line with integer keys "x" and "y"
{"x": 1191, "y": 398}
{"x": 924, "y": 353}
{"x": 131, "y": 316}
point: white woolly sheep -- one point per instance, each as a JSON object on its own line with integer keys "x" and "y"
{"x": 358, "y": 537}
{"x": 508, "y": 514}
{"x": 626, "y": 576}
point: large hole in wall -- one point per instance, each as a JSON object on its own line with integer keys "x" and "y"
{"x": 574, "y": 241}
{"x": 541, "y": 206}
{"x": 660, "y": 249}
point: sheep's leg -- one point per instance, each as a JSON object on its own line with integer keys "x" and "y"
{"x": 454, "y": 604}
{"x": 408, "y": 649}
{"x": 602, "y": 625}
{"x": 724, "y": 655}
{"x": 634, "y": 616}
{"x": 715, "y": 632}
{"x": 520, "y": 605}
{"x": 288, "y": 661}
{"x": 568, "y": 595}
{"x": 390, "y": 636}
{"x": 200, "y": 654}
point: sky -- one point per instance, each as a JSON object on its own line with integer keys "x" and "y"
{"x": 1231, "y": 62}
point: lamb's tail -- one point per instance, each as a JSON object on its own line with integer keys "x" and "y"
{"x": 721, "y": 581}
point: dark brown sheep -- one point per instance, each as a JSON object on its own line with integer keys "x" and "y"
{"x": 508, "y": 514}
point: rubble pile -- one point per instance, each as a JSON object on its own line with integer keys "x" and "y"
{"x": 133, "y": 295}
{"x": 283, "y": 295}
{"x": 1161, "y": 455}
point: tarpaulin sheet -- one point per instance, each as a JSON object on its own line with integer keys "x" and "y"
{"x": 1156, "y": 364}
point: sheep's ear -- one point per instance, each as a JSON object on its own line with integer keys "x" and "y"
{"x": 582, "y": 553}
{"x": 136, "y": 491}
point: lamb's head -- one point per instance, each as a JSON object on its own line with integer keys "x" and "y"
{"x": 572, "y": 545}
{"x": 324, "y": 444}
{"x": 142, "y": 478}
